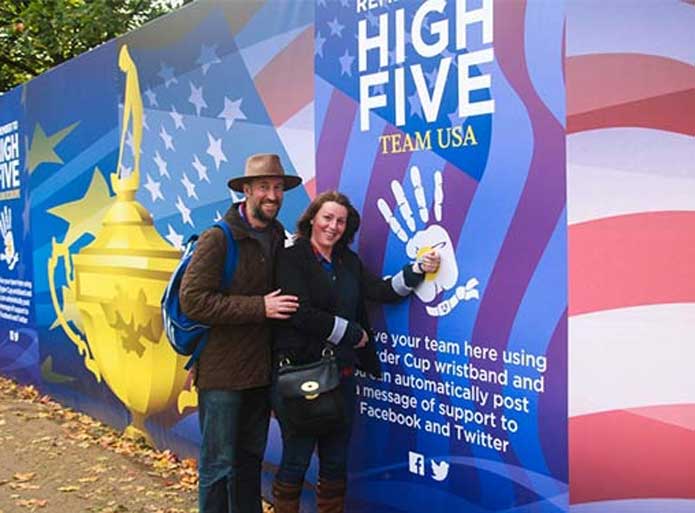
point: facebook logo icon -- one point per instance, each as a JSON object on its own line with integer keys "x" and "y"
{"x": 416, "y": 463}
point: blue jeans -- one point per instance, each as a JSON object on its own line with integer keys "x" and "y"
{"x": 234, "y": 427}
{"x": 332, "y": 447}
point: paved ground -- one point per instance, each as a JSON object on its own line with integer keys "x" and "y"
{"x": 55, "y": 460}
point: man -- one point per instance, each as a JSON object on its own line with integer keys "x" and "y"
{"x": 233, "y": 373}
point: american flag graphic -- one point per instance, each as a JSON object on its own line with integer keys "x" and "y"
{"x": 217, "y": 94}
{"x": 630, "y": 72}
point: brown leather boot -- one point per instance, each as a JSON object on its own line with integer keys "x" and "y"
{"x": 286, "y": 496}
{"x": 330, "y": 496}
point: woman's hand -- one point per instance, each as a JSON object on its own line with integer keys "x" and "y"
{"x": 363, "y": 341}
{"x": 429, "y": 262}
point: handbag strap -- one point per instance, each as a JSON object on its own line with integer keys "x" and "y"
{"x": 326, "y": 353}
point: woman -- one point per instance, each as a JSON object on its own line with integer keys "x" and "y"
{"x": 332, "y": 286}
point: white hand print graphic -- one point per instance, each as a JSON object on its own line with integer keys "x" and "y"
{"x": 432, "y": 237}
{"x": 9, "y": 254}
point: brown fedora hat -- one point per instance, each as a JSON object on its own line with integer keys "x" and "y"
{"x": 263, "y": 165}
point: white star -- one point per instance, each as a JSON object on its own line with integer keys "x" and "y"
{"x": 184, "y": 210}
{"x": 144, "y": 121}
{"x": 215, "y": 150}
{"x": 208, "y": 57}
{"x": 167, "y": 73}
{"x": 322, "y": 3}
{"x": 201, "y": 169}
{"x": 346, "y": 64}
{"x": 344, "y": 3}
{"x": 176, "y": 239}
{"x": 125, "y": 171}
{"x": 235, "y": 198}
{"x": 373, "y": 20}
{"x": 336, "y": 27}
{"x": 318, "y": 44}
{"x": 189, "y": 186}
{"x": 197, "y": 99}
{"x": 154, "y": 188}
{"x": 168, "y": 141}
{"x": 129, "y": 139}
{"x": 231, "y": 112}
{"x": 178, "y": 118}
{"x": 151, "y": 98}
{"x": 218, "y": 216}
{"x": 161, "y": 164}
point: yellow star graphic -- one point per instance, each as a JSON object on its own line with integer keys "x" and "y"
{"x": 70, "y": 310}
{"x": 85, "y": 214}
{"x": 42, "y": 147}
{"x": 49, "y": 375}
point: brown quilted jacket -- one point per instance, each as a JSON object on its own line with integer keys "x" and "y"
{"x": 238, "y": 353}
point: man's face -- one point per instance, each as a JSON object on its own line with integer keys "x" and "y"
{"x": 264, "y": 198}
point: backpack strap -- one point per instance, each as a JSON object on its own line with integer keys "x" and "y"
{"x": 230, "y": 263}
{"x": 232, "y": 254}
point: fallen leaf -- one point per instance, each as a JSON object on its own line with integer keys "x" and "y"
{"x": 24, "y": 486}
{"x": 70, "y": 488}
{"x": 24, "y": 476}
{"x": 32, "y": 503}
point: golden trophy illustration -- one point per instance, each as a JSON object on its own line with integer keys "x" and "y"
{"x": 117, "y": 282}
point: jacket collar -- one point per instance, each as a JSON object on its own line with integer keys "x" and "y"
{"x": 306, "y": 246}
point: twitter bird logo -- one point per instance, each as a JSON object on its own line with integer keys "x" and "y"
{"x": 440, "y": 470}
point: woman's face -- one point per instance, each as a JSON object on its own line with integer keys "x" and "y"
{"x": 328, "y": 225}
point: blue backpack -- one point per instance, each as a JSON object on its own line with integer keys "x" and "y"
{"x": 188, "y": 337}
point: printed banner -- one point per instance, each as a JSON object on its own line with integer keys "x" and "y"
{"x": 18, "y": 340}
{"x": 444, "y": 123}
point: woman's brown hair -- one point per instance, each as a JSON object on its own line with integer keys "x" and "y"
{"x": 353, "y": 218}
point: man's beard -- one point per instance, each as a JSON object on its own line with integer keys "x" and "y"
{"x": 258, "y": 213}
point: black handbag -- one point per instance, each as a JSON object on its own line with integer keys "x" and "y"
{"x": 311, "y": 398}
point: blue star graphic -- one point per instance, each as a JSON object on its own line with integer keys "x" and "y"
{"x": 415, "y": 106}
{"x": 431, "y": 77}
{"x": 447, "y": 53}
{"x": 167, "y": 74}
{"x": 208, "y": 57}
{"x": 455, "y": 119}
{"x": 372, "y": 19}
{"x": 336, "y": 27}
{"x": 318, "y": 44}
{"x": 346, "y": 63}
{"x": 151, "y": 98}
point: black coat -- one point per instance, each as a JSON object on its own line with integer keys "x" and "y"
{"x": 303, "y": 337}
